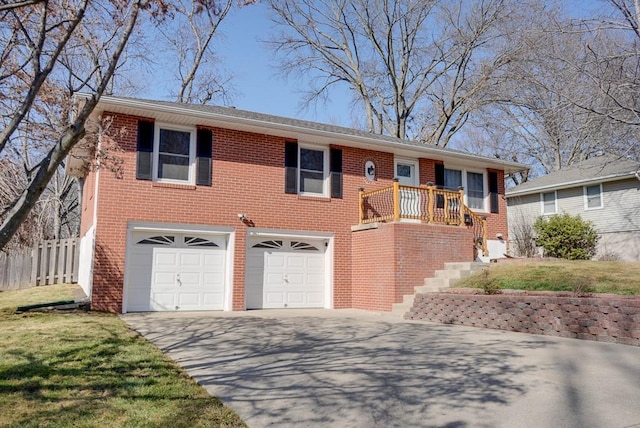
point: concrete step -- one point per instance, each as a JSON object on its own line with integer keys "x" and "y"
{"x": 400, "y": 309}
{"x": 429, "y": 289}
{"x": 408, "y": 299}
{"x": 436, "y": 282}
{"x": 468, "y": 266}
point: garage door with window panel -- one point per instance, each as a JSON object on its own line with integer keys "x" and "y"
{"x": 175, "y": 271}
{"x": 286, "y": 273}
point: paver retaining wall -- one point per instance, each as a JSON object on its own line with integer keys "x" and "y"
{"x": 603, "y": 318}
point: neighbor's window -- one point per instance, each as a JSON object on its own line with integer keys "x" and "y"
{"x": 593, "y": 197}
{"x": 549, "y": 203}
{"x": 313, "y": 171}
{"x": 174, "y": 155}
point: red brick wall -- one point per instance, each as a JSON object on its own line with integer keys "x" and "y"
{"x": 389, "y": 261}
{"x": 603, "y": 318}
{"x": 248, "y": 177}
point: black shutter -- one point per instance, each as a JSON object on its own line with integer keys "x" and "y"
{"x": 144, "y": 158}
{"x": 204, "y": 149}
{"x": 335, "y": 160}
{"x": 439, "y": 175}
{"x": 493, "y": 192}
{"x": 439, "y": 184}
{"x": 290, "y": 167}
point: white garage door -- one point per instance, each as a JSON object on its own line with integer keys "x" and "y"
{"x": 171, "y": 271}
{"x": 286, "y": 273}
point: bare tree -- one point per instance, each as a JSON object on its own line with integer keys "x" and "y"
{"x": 190, "y": 40}
{"x": 416, "y": 68}
{"x": 33, "y": 39}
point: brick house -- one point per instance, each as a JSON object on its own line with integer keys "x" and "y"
{"x": 222, "y": 209}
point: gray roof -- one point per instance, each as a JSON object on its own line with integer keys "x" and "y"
{"x": 284, "y": 125}
{"x": 595, "y": 169}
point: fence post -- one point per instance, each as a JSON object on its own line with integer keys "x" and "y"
{"x": 432, "y": 201}
{"x": 396, "y": 200}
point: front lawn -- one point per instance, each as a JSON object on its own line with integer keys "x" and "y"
{"x": 89, "y": 369}
{"x": 561, "y": 275}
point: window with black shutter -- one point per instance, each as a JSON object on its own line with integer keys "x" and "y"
{"x": 204, "y": 149}
{"x": 493, "y": 192}
{"x": 144, "y": 155}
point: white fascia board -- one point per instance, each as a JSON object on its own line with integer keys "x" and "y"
{"x": 576, "y": 183}
{"x": 306, "y": 134}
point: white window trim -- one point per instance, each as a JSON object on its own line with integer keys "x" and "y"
{"x": 416, "y": 168}
{"x": 325, "y": 170}
{"x": 586, "y": 201}
{"x": 555, "y": 202}
{"x": 192, "y": 152}
{"x": 485, "y": 185}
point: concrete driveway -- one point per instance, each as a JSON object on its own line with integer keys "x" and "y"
{"x": 349, "y": 368}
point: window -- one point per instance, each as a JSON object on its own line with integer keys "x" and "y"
{"x": 407, "y": 171}
{"x": 593, "y": 197}
{"x": 549, "y": 203}
{"x": 472, "y": 182}
{"x": 174, "y": 154}
{"x": 174, "y": 159}
{"x": 475, "y": 190}
{"x": 312, "y": 171}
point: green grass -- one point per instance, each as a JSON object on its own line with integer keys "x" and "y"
{"x": 61, "y": 369}
{"x": 562, "y": 275}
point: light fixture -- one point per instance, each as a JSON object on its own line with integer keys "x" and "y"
{"x": 242, "y": 217}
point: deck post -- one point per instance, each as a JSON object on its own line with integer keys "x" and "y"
{"x": 432, "y": 201}
{"x": 396, "y": 200}
{"x": 361, "y": 205}
{"x": 461, "y": 205}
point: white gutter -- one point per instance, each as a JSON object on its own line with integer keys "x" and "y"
{"x": 372, "y": 141}
{"x": 570, "y": 184}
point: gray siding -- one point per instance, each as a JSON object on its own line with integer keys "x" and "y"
{"x": 620, "y": 212}
{"x": 619, "y": 217}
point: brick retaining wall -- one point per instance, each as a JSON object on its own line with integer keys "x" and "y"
{"x": 603, "y": 318}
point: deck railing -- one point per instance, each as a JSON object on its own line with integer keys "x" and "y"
{"x": 427, "y": 204}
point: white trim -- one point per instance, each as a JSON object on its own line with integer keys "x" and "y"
{"x": 227, "y": 231}
{"x": 289, "y": 234}
{"x": 325, "y": 169}
{"x": 192, "y": 152}
{"x": 586, "y": 201}
{"x": 406, "y": 161}
{"x": 555, "y": 202}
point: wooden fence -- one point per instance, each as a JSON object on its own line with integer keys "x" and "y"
{"x": 50, "y": 262}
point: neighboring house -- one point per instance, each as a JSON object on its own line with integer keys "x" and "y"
{"x": 604, "y": 190}
{"x": 222, "y": 209}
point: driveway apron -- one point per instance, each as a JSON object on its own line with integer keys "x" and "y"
{"x": 349, "y": 368}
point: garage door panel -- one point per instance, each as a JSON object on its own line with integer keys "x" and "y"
{"x": 295, "y": 262}
{"x": 213, "y": 259}
{"x": 192, "y": 259}
{"x": 316, "y": 299}
{"x": 274, "y": 298}
{"x": 212, "y": 299}
{"x": 315, "y": 262}
{"x": 165, "y": 258}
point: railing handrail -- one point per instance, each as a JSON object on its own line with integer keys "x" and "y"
{"x": 426, "y": 203}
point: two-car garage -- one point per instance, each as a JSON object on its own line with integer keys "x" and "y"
{"x": 184, "y": 270}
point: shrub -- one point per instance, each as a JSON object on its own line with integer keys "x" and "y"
{"x": 567, "y": 237}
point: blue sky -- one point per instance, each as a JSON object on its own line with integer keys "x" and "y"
{"x": 258, "y": 85}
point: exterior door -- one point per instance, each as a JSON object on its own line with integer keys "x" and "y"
{"x": 407, "y": 174}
